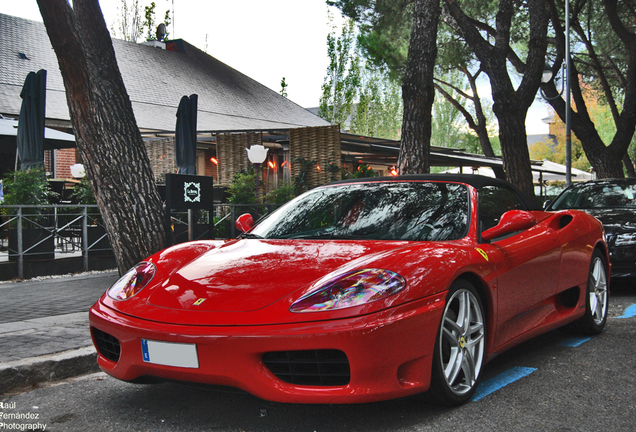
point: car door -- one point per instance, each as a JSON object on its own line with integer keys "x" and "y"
{"x": 527, "y": 271}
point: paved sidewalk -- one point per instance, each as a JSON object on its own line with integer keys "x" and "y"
{"x": 44, "y": 333}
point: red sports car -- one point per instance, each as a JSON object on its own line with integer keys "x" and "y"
{"x": 359, "y": 291}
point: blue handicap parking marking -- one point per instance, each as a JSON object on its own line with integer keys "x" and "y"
{"x": 575, "y": 341}
{"x": 500, "y": 381}
{"x": 630, "y": 312}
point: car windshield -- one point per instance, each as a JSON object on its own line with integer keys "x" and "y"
{"x": 604, "y": 195}
{"x": 373, "y": 211}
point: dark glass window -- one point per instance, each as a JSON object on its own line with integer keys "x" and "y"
{"x": 375, "y": 211}
{"x": 495, "y": 201}
{"x": 597, "y": 195}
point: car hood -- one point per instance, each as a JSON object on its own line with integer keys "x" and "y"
{"x": 248, "y": 275}
{"x": 248, "y": 282}
{"x": 615, "y": 219}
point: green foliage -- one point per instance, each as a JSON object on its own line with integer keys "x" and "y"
{"x": 343, "y": 76}
{"x": 150, "y": 24}
{"x": 378, "y": 112}
{"x": 242, "y": 189}
{"x": 27, "y": 188}
{"x": 131, "y": 25}
{"x": 446, "y": 118}
{"x": 129, "y": 21}
{"x": 364, "y": 171}
{"x": 283, "y": 87}
{"x": 83, "y": 193}
{"x": 280, "y": 195}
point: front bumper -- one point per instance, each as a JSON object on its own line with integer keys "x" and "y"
{"x": 623, "y": 259}
{"x": 389, "y": 352}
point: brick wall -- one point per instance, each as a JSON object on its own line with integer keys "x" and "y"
{"x": 64, "y": 158}
{"x": 210, "y": 168}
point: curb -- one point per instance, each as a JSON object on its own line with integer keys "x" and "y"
{"x": 25, "y": 374}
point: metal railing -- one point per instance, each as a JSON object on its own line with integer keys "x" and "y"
{"x": 31, "y": 233}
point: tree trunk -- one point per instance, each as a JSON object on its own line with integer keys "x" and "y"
{"x": 510, "y": 104}
{"x": 106, "y": 132}
{"x": 629, "y": 166}
{"x": 514, "y": 151}
{"x": 418, "y": 91}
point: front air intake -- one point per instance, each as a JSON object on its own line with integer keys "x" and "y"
{"x": 108, "y": 346}
{"x": 310, "y": 368}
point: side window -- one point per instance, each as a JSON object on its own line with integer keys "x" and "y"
{"x": 495, "y": 201}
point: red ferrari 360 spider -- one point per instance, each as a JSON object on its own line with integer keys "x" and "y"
{"x": 359, "y": 291}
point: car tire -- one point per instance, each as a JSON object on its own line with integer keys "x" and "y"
{"x": 596, "y": 297}
{"x": 460, "y": 347}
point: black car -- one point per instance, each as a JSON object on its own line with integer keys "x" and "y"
{"x": 613, "y": 202}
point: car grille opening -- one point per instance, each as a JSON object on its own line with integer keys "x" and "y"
{"x": 312, "y": 367}
{"x": 107, "y": 345}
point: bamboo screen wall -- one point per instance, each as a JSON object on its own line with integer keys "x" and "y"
{"x": 161, "y": 154}
{"x": 320, "y": 144}
{"x": 232, "y": 154}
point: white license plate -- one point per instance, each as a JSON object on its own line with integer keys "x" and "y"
{"x": 170, "y": 354}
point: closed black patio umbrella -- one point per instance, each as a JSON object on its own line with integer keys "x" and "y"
{"x": 185, "y": 142}
{"x": 30, "y": 138}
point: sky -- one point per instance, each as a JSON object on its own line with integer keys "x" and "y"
{"x": 265, "y": 40}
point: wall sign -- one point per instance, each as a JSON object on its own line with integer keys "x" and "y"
{"x": 189, "y": 191}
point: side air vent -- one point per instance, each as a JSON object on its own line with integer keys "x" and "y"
{"x": 311, "y": 368}
{"x": 564, "y": 221}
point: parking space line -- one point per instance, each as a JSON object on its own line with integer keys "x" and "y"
{"x": 500, "y": 381}
{"x": 574, "y": 341}
{"x": 629, "y": 312}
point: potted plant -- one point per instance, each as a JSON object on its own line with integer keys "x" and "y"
{"x": 30, "y": 188}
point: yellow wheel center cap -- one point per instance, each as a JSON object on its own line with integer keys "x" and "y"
{"x": 462, "y": 342}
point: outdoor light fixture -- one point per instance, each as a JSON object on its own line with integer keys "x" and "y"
{"x": 271, "y": 164}
{"x": 257, "y": 154}
{"x": 77, "y": 171}
{"x": 318, "y": 167}
{"x": 547, "y": 73}
{"x": 393, "y": 172}
{"x": 214, "y": 161}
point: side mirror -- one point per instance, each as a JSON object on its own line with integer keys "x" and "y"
{"x": 244, "y": 222}
{"x": 510, "y": 222}
{"x": 547, "y": 204}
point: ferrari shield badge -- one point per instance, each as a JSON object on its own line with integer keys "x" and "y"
{"x": 482, "y": 253}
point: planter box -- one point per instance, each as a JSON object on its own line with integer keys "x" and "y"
{"x": 30, "y": 237}
{"x": 102, "y": 247}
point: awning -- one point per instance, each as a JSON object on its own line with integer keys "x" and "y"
{"x": 53, "y": 139}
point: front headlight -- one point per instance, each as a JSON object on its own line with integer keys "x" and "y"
{"x": 132, "y": 282}
{"x": 625, "y": 239}
{"x": 351, "y": 289}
